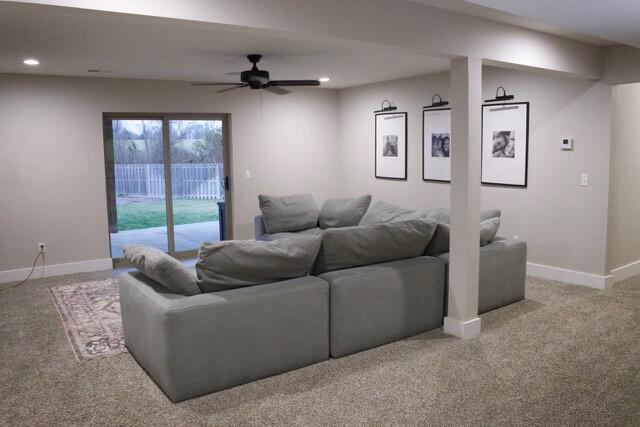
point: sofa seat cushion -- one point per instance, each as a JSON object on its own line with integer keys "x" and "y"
{"x": 343, "y": 212}
{"x": 239, "y": 263}
{"x": 371, "y": 244}
{"x": 164, "y": 269}
{"x": 289, "y": 234}
{"x": 288, "y": 213}
{"x": 377, "y": 304}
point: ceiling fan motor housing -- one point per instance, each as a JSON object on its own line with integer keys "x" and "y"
{"x": 254, "y": 78}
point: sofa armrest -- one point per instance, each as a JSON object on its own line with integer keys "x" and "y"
{"x": 259, "y": 228}
{"x": 193, "y": 345}
{"x": 503, "y": 271}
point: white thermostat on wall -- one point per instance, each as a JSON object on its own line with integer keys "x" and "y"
{"x": 566, "y": 144}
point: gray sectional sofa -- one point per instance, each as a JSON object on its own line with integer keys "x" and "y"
{"x": 194, "y": 345}
{"x": 503, "y": 265}
{"x": 197, "y": 344}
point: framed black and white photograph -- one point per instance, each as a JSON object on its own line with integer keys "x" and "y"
{"x": 391, "y": 146}
{"x": 436, "y": 145}
{"x": 505, "y": 144}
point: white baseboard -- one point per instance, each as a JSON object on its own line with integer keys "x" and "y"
{"x": 57, "y": 270}
{"x": 626, "y": 271}
{"x": 568, "y": 276}
{"x": 462, "y": 328}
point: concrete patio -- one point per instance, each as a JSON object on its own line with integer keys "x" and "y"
{"x": 187, "y": 237}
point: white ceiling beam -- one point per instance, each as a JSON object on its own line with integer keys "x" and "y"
{"x": 395, "y": 23}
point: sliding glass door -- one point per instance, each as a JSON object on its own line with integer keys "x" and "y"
{"x": 167, "y": 184}
{"x": 198, "y": 181}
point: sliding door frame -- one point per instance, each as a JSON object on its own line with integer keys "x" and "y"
{"x": 225, "y": 118}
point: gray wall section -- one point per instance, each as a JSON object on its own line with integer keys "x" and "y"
{"x": 52, "y": 166}
{"x": 563, "y": 223}
{"x": 624, "y": 195}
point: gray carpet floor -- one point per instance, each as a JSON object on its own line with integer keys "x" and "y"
{"x": 567, "y": 355}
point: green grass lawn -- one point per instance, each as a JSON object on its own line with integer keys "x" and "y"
{"x": 152, "y": 213}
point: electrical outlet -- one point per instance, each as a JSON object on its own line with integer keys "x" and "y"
{"x": 42, "y": 247}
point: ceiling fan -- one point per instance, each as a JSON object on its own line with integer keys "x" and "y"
{"x": 259, "y": 79}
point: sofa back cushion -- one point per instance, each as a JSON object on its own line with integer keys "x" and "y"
{"x": 372, "y": 244}
{"x": 164, "y": 269}
{"x": 382, "y": 212}
{"x": 343, "y": 212}
{"x": 439, "y": 244}
{"x": 288, "y": 213}
{"x": 238, "y": 263}
{"x": 443, "y": 216}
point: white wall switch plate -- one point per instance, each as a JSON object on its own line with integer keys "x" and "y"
{"x": 584, "y": 179}
{"x": 566, "y": 144}
{"x": 247, "y": 174}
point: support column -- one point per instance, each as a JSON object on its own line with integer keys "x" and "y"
{"x": 466, "y": 96}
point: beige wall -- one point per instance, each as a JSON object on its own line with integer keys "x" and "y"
{"x": 52, "y": 167}
{"x": 621, "y": 64}
{"x": 563, "y": 223}
{"x": 624, "y": 194}
{"x": 320, "y": 141}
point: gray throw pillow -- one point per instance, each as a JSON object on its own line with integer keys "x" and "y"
{"x": 239, "y": 263}
{"x": 288, "y": 213}
{"x": 343, "y": 212}
{"x": 347, "y": 247}
{"x": 440, "y": 242}
{"x": 488, "y": 230}
{"x": 163, "y": 268}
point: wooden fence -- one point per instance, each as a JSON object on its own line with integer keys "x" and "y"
{"x": 188, "y": 181}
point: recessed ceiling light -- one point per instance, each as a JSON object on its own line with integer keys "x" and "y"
{"x": 324, "y": 79}
{"x": 31, "y": 61}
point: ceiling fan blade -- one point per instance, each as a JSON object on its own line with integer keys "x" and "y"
{"x": 215, "y": 84}
{"x": 231, "y": 88}
{"x": 232, "y": 73}
{"x": 294, "y": 83}
{"x": 277, "y": 90}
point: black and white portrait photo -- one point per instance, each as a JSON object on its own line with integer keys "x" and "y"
{"x": 436, "y": 145}
{"x": 390, "y": 146}
{"x": 504, "y": 144}
{"x": 440, "y": 144}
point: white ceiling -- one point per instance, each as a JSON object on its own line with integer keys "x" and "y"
{"x": 69, "y": 43}
{"x": 602, "y": 22}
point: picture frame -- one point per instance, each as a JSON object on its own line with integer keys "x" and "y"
{"x": 436, "y": 145}
{"x": 391, "y": 146}
{"x": 505, "y": 144}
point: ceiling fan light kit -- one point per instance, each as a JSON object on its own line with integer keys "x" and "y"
{"x": 259, "y": 79}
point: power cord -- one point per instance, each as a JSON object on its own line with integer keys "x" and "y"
{"x": 33, "y": 268}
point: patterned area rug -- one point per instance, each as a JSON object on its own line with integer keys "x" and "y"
{"x": 90, "y": 313}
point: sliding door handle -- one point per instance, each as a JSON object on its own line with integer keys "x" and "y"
{"x": 226, "y": 183}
